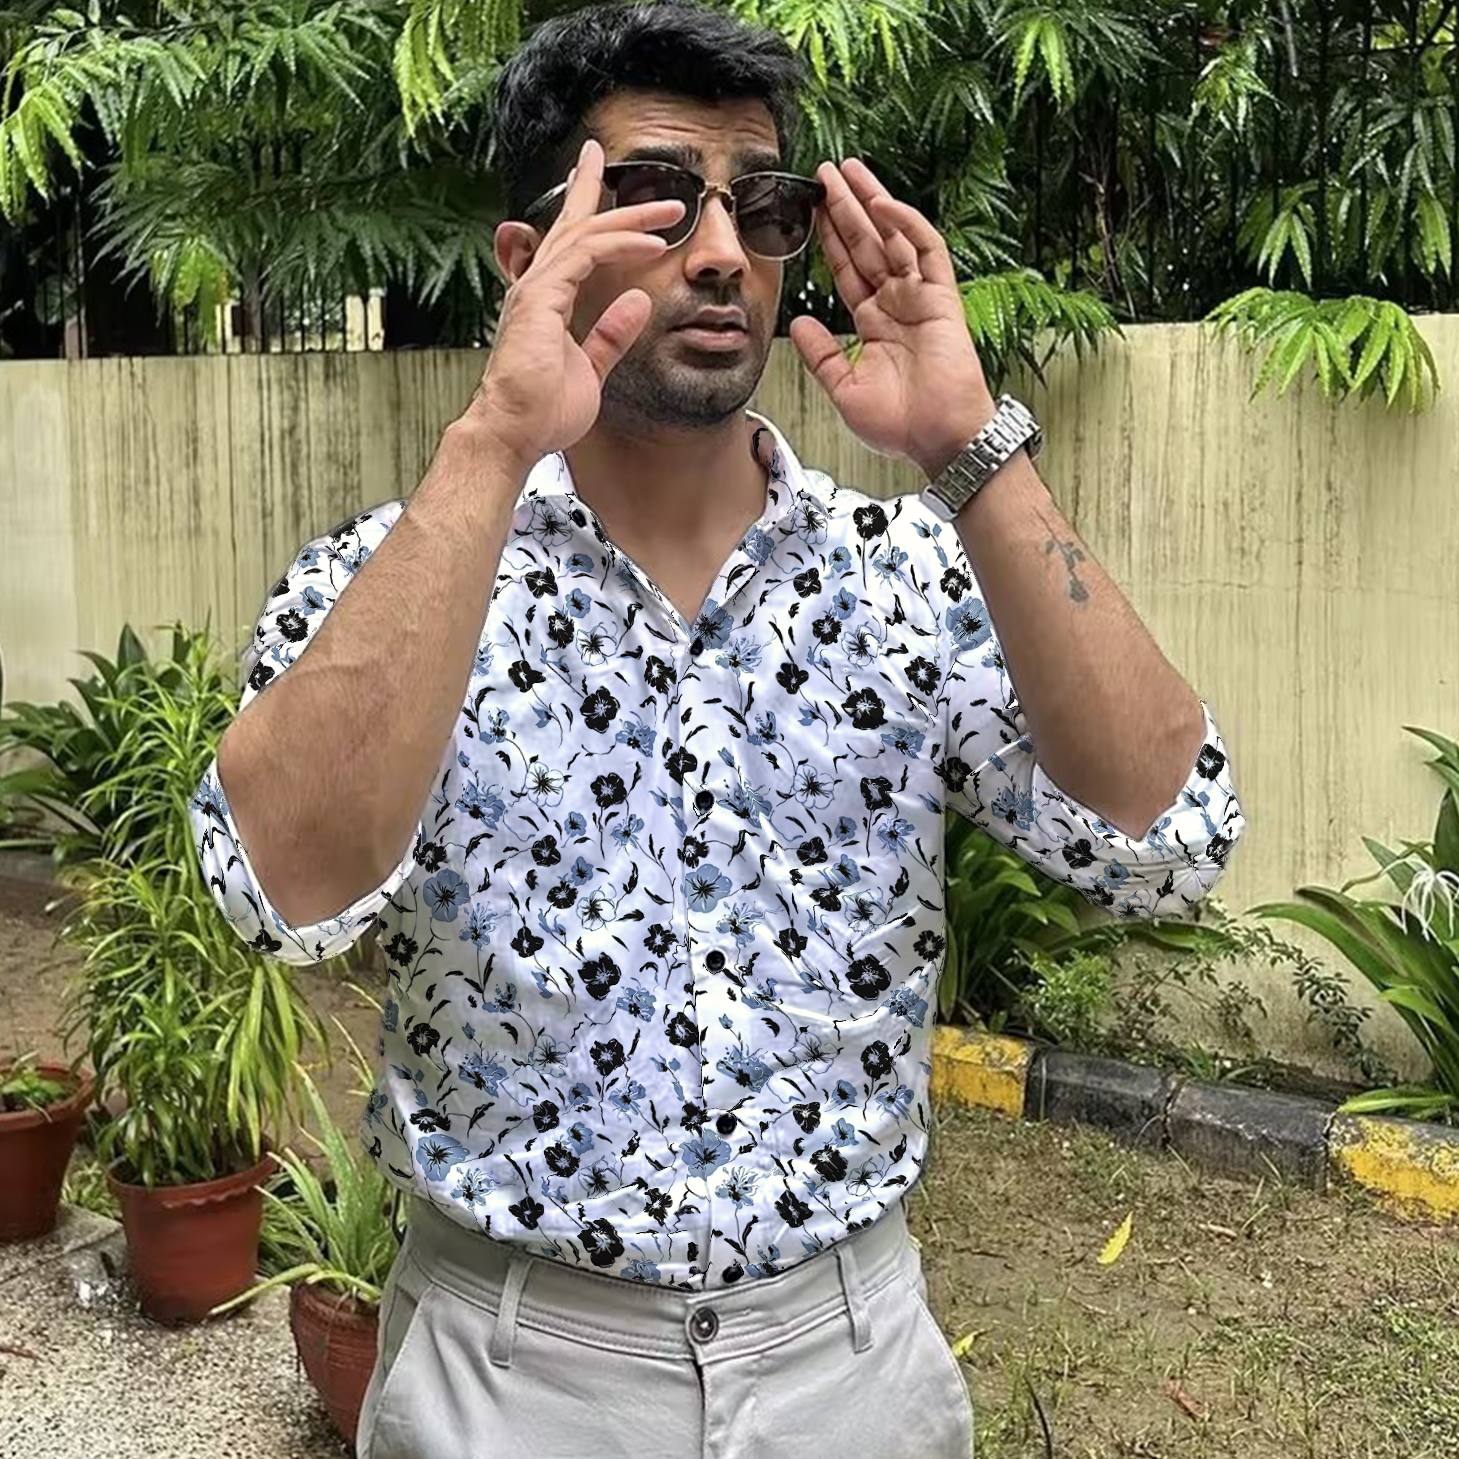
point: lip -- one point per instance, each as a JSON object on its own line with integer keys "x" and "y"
{"x": 713, "y": 339}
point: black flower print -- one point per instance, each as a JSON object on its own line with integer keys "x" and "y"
{"x": 876, "y": 1059}
{"x": 526, "y": 942}
{"x": 868, "y": 978}
{"x": 664, "y": 949}
{"x": 680, "y": 762}
{"x": 866, "y": 708}
{"x": 599, "y": 975}
{"x": 924, "y": 676}
{"x": 876, "y": 792}
{"x": 599, "y": 710}
{"x": 790, "y": 678}
{"x": 658, "y": 675}
{"x": 870, "y": 522}
{"x": 609, "y": 790}
{"x": 524, "y": 676}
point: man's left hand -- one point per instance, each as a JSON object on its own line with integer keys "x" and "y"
{"x": 917, "y": 388}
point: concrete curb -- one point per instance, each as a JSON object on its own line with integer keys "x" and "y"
{"x": 1410, "y": 1166}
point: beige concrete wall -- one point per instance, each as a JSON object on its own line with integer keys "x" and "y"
{"x": 1296, "y": 561}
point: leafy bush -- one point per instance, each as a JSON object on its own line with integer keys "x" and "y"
{"x": 1409, "y": 952}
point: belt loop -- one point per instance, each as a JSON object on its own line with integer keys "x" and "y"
{"x": 504, "y": 1333}
{"x": 855, "y": 1299}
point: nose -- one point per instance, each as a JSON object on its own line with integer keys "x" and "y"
{"x": 716, "y": 240}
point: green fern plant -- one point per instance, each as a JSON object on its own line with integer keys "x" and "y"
{"x": 1354, "y": 346}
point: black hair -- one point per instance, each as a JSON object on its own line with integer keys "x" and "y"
{"x": 571, "y": 62}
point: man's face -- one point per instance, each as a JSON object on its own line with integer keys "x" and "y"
{"x": 665, "y": 378}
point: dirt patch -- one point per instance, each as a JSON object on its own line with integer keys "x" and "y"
{"x": 1251, "y": 1320}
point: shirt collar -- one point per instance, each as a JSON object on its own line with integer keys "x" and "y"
{"x": 786, "y": 480}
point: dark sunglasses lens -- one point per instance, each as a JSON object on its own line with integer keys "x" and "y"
{"x": 775, "y": 213}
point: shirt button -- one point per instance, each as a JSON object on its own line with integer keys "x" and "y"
{"x": 704, "y": 1324}
{"x": 704, "y": 802}
{"x": 726, "y": 1123}
{"x": 714, "y": 961}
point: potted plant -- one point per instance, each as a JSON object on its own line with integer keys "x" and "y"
{"x": 334, "y": 1244}
{"x": 42, "y": 1106}
{"x": 191, "y": 1033}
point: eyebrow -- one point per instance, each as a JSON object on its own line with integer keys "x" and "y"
{"x": 747, "y": 159}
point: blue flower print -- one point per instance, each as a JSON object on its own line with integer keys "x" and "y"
{"x": 713, "y": 624}
{"x": 897, "y": 836}
{"x": 740, "y": 654}
{"x": 637, "y": 735}
{"x": 904, "y": 740}
{"x": 580, "y": 873}
{"x": 391, "y": 1014}
{"x": 888, "y": 562}
{"x": 373, "y": 1107}
{"x": 968, "y": 623}
{"x": 575, "y": 825}
{"x": 844, "y": 1094}
{"x": 580, "y": 562}
{"x": 494, "y": 726}
{"x": 705, "y": 1154}
{"x": 479, "y": 925}
{"x": 748, "y": 1070}
{"x": 844, "y": 604}
{"x": 625, "y": 833}
{"x": 906, "y": 1004}
{"x": 641, "y": 1269}
{"x": 738, "y": 1185}
{"x": 764, "y": 732}
{"x": 485, "y": 805}
{"x": 549, "y": 526}
{"x": 757, "y": 546}
{"x": 483, "y": 1072}
{"x": 446, "y": 893}
{"x": 638, "y": 1001}
{"x": 845, "y": 873}
{"x": 705, "y": 886}
{"x": 577, "y": 603}
{"x": 841, "y": 562}
{"x": 740, "y": 922}
{"x": 748, "y": 802}
{"x": 438, "y": 1152}
{"x": 845, "y": 832}
{"x": 482, "y": 663}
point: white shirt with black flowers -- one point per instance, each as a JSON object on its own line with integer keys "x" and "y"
{"x": 664, "y": 952}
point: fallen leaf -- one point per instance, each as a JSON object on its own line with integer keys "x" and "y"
{"x": 1116, "y": 1243}
{"x": 961, "y": 1346}
{"x": 1184, "y": 1401}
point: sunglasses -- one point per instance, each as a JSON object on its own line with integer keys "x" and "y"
{"x": 774, "y": 212}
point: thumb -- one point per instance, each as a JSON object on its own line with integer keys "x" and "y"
{"x": 821, "y": 351}
{"x": 616, "y": 328}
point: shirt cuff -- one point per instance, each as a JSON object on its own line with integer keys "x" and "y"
{"x": 235, "y": 886}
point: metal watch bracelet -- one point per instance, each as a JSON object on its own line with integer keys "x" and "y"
{"x": 960, "y": 481}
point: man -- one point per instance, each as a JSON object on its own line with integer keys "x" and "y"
{"x": 662, "y": 724}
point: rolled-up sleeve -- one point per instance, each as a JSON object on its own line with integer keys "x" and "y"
{"x": 290, "y": 618}
{"x": 992, "y": 776}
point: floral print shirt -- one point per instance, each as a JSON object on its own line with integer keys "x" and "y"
{"x": 664, "y": 953}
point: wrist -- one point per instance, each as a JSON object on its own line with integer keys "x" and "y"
{"x": 933, "y": 457}
{"x": 476, "y": 432}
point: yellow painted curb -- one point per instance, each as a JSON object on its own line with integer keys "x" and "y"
{"x": 1406, "y": 1163}
{"x": 984, "y": 1070}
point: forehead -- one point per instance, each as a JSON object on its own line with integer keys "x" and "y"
{"x": 658, "y": 127}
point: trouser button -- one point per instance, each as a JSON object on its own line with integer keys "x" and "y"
{"x": 704, "y": 1324}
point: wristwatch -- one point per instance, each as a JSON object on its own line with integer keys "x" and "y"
{"x": 971, "y": 469}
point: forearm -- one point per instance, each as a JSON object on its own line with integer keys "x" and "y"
{"x": 327, "y": 770}
{"x": 1111, "y": 720}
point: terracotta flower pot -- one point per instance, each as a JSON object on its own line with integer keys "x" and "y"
{"x": 336, "y": 1336}
{"x": 35, "y": 1151}
{"x": 192, "y": 1246}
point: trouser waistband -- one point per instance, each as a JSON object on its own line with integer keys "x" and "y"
{"x": 623, "y": 1315}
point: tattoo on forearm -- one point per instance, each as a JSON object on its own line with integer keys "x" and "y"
{"x": 1073, "y": 554}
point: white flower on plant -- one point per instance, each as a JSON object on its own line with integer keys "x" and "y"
{"x": 1428, "y": 884}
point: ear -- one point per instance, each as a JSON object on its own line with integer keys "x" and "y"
{"x": 514, "y": 246}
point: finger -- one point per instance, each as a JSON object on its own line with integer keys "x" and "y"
{"x": 862, "y": 238}
{"x": 849, "y": 283}
{"x": 612, "y": 336}
{"x": 565, "y": 268}
{"x": 929, "y": 249}
{"x": 902, "y": 257}
{"x": 584, "y": 183}
{"x": 821, "y": 351}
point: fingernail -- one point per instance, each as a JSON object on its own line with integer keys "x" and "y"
{"x": 583, "y": 151}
